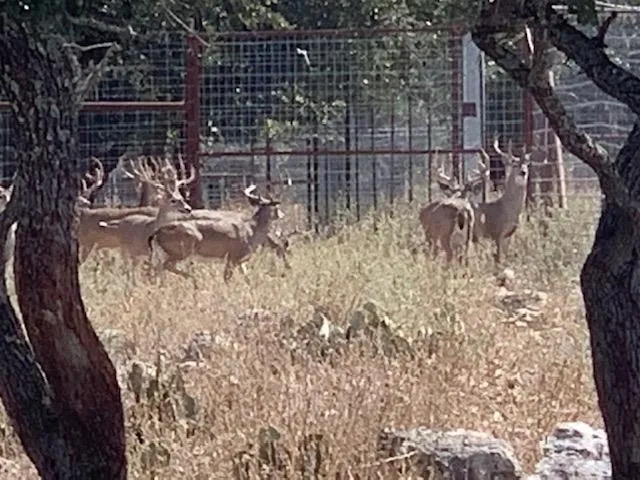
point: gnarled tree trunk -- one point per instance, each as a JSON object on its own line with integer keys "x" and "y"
{"x": 610, "y": 277}
{"x": 62, "y": 395}
{"x": 610, "y": 281}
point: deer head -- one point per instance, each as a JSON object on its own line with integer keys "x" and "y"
{"x": 473, "y": 184}
{"x": 168, "y": 195}
{"x": 516, "y": 169}
{"x": 268, "y": 208}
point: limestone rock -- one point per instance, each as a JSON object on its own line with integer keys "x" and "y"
{"x": 452, "y": 455}
{"x": 574, "y": 450}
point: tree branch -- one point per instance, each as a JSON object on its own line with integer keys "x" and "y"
{"x": 186, "y": 27}
{"x": 95, "y": 73}
{"x": 574, "y": 139}
{"x": 95, "y": 24}
{"x": 87, "y": 48}
{"x": 594, "y": 62}
{"x": 604, "y": 28}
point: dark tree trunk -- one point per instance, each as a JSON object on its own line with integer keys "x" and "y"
{"x": 62, "y": 396}
{"x": 610, "y": 282}
{"x": 610, "y": 277}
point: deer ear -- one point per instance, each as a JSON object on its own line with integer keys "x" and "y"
{"x": 445, "y": 187}
{"x": 475, "y": 188}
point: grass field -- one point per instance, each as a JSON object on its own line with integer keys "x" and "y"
{"x": 512, "y": 363}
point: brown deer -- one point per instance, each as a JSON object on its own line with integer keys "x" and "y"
{"x": 498, "y": 219}
{"x": 150, "y": 167}
{"x": 230, "y": 237}
{"x": 448, "y": 223}
{"x": 152, "y": 180}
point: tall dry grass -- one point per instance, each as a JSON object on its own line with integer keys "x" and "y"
{"x": 493, "y": 370}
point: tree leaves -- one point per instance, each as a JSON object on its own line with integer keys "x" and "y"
{"x": 585, "y": 11}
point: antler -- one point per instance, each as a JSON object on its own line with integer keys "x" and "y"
{"x": 183, "y": 180}
{"x": 507, "y": 158}
{"x": 172, "y": 177}
{"x": 248, "y": 192}
{"x": 480, "y": 175}
{"x": 446, "y": 183}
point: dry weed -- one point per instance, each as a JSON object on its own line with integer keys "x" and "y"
{"x": 501, "y": 365}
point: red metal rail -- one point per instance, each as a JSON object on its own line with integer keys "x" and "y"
{"x": 122, "y": 106}
{"x": 321, "y": 152}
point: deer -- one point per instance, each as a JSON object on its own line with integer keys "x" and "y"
{"x": 449, "y": 222}
{"x": 90, "y": 183}
{"x": 230, "y": 237}
{"x": 498, "y": 219}
{"x": 151, "y": 180}
{"x": 135, "y": 226}
{"x": 150, "y": 166}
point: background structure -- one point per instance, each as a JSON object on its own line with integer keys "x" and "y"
{"x": 351, "y": 117}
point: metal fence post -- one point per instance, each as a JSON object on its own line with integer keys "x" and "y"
{"x": 192, "y": 114}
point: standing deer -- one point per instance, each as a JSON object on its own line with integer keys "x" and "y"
{"x": 151, "y": 181}
{"x": 498, "y": 219}
{"x": 229, "y": 237}
{"x": 449, "y": 222}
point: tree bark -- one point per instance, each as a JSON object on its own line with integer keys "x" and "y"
{"x": 61, "y": 393}
{"x": 610, "y": 277}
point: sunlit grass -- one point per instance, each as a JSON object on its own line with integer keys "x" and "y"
{"x": 491, "y": 371}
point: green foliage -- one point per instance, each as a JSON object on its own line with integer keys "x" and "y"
{"x": 585, "y": 11}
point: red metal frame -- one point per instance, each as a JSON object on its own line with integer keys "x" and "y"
{"x": 190, "y": 106}
{"x": 265, "y": 152}
{"x": 122, "y": 106}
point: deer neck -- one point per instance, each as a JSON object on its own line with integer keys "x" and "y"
{"x": 165, "y": 215}
{"x": 262, "y": 220}
{"x": 514, "y": 198}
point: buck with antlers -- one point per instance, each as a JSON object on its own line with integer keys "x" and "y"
{"x": 229, "y": 237}
{"x": 149, "y": 167}
{"x": 130, "y": 232}
{"x": 90, "y": 184}
{"x": 449, "y": 222}
{"x": 498, "y": 219}
{"x": 152, "y": 180}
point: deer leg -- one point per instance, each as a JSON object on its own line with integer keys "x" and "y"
{"x": 279, "y": 248}
{"x": 498, "y": 257}
{"x": 84, "y": 253}
{"x": 449, "y": 251}
{"x": 505, "y": 246}
{"x": 245, "y": 273}
{"x": 228, "y": 271}
{"x": 173, "y": 268}
{"x": 131, "y": 265}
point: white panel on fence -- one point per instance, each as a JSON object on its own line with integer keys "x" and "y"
{"x": 472, "y": 92}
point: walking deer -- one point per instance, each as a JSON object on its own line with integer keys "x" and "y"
{"x": 229, "y": 237}
{"x": 498, "y": 219}
{"x": 152, "y": 180}
{"x": 448, "y": 223}
{"x": 128, "y": 232}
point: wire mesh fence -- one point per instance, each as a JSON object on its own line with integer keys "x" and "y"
{"x": 347, "y": 117}
{"x": 350, "y": 119}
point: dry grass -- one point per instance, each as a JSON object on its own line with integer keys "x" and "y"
{"x": 513, "y": 379}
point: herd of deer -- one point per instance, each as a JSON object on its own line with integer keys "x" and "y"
{"x": 454, "y": 222}
{"x": 165, "y": 230}
{"x": 165, "y": 225}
